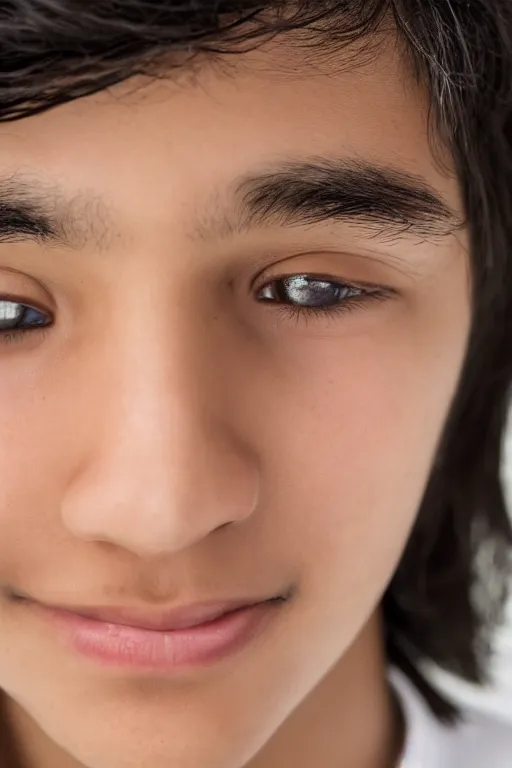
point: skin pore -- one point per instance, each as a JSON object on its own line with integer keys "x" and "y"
{"x": 176, "y": 436}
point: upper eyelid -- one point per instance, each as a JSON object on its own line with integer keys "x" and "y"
{"x": 17, "y": 299}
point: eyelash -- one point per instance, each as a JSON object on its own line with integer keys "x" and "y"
{"x": 363, "y": 298}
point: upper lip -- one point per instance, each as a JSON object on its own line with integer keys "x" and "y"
{"x": 175, "y": 618}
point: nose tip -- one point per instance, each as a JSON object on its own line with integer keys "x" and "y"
{"x": 179, "y": 500}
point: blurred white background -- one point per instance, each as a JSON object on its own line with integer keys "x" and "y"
{"x": 497, "y": 699}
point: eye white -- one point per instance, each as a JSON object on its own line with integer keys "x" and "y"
{"x": 10, "y": 311}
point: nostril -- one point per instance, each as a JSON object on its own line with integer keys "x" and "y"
{"x": 224, "y": 525}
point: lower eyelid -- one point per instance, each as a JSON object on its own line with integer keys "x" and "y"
{"x": 328, "y": 313}
{"x": 23, "y": 336}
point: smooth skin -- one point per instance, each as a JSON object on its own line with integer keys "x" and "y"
{"x": 172, "y": 437}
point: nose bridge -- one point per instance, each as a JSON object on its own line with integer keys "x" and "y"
{"x": 155, "y": 395}
{"x": 151, "y": 372}
{"x": 164, "y": 467}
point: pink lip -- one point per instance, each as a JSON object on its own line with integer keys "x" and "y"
{"x": 116, "y": 644}
{"x": 176, "y": 618}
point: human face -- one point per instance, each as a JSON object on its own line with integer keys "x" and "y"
{"x": 168, "y": 398}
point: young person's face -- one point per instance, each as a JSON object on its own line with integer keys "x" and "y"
{"x": 166, "y": 401}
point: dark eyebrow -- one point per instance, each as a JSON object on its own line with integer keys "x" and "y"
{"x": 386, "y": 202}
{"x": 33, "y": 209}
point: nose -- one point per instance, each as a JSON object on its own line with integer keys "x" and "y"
{"x": 163, "y": 465}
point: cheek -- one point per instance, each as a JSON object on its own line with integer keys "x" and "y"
{"x": 34, "y": 460}
{"x": 357, "y": 434}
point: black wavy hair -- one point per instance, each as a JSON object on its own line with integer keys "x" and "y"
{"x": 440, "y": 605}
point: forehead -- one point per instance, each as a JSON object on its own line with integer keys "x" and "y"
{"x": 154, "y": 149}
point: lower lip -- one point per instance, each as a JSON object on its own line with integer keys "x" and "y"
{"x": 122, "y": 646}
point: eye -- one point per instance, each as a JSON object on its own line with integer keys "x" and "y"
{"x": 298, "y": 294}
{"x": 307, "y": 291}
{"x": 17, "y": 319}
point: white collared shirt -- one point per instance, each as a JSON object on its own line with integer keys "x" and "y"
{"x": 481, "y": 741}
